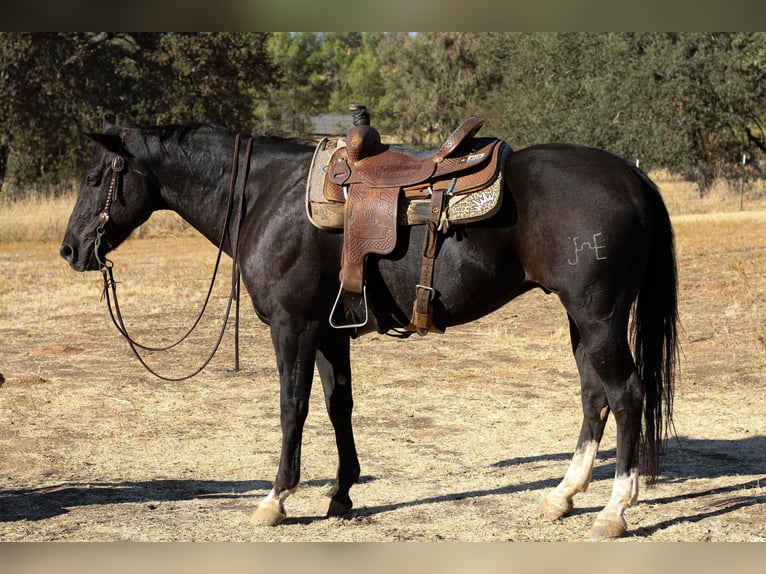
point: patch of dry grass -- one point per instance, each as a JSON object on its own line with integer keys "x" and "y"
{"x": 42, "y": 218}
{"x": 682, "y": 197}
{"x": 35, "y": 218}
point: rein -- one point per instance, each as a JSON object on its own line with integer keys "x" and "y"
{"x": 110, "y": 285}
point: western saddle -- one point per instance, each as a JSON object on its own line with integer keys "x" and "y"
{"x": 368, "y": 189}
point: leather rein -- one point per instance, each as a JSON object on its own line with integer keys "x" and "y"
{"x": 110, "y": 285}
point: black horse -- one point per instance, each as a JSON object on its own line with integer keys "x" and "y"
{"x": 575, "y": 221}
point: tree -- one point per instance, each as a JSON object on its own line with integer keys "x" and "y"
{"x": 432, "y": 82}
{"x": 33, "y": 117}
{"x": 688, "y": 102}
{"x": 359, "y": 78}
{"x": 320, "y": 73}
{"x": 302, "y": 88}
{"x": 55, "y": 86}
{"x": 691, "y": 103}
{"x": 714, "y": 101}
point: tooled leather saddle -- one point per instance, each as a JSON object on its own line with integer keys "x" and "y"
{"x": 368, "y": 189}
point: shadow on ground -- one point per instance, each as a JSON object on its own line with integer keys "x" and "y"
{"x": 686, "y": 459}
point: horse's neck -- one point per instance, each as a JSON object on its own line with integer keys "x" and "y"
{"x": 201, "y": 195}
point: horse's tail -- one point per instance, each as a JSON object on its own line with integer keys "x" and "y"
{"x": 654, "y": 333}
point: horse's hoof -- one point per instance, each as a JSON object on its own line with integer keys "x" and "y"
{"x": 555, "y": 507}
{"x": 268, "y": 515}
{"x": 606, "y": 529}
{"x": 332, "y": 507}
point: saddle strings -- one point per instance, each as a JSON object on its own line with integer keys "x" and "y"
{"x": 110, "y": 283}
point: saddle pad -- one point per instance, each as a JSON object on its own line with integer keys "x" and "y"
{"x": 320, "y": 213}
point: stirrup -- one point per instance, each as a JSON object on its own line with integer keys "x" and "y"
{"x": 350, "y": 325}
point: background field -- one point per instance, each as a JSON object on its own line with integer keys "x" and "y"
{"x": 459, "y": 436}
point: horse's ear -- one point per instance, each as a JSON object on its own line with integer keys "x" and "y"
{"x": 108, "y": 122}
{"x": 111, "y": 142}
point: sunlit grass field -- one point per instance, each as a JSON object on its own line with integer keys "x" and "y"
{"x": 41, "y": 217}
{"x": 459, "y": 434}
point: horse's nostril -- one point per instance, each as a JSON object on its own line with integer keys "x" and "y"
{"x": 66, "y": 252}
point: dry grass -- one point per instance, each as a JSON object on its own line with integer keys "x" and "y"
{"x": 459, "y": 435}
{"x": 36, "y": 218}
{"x": 44, "y": 218}
{"x": 41, "y": 218}
{"x": 682, "y": 197}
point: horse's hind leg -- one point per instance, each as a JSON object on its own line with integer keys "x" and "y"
{"x": 626, "y": 396}
{"x": 558, "y": 502}
{"x": 605, "y": 349}
{"x": 334, "y": 366}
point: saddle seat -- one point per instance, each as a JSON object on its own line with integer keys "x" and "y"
{"x": 368, "y": 189}
{"x": 365, "y": 161}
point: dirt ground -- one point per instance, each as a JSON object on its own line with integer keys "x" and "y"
{"x": 459, "y": 435}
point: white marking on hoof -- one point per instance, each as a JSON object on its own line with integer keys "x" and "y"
{"x": 605, "y": 529}
{"x": 610, "y": 522}
{"x": 264, "y": 516}
{"x": 558, "y": 502}
{"x": 271, "y": 510}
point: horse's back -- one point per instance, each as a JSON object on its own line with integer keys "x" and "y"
{"x": 562, "y": 173}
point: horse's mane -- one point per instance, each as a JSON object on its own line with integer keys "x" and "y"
{"x": 276, "y": 140}
{"x": 178, "y": 133}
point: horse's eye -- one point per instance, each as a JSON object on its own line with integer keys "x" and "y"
{"x": 93, "y": 179}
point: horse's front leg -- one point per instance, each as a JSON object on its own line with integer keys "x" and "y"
{"x": 295, "y": 344}
{"x": 333, "y": 363}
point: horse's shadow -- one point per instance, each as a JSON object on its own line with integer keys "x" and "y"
{"x": 49, "y": 501}
{"x": 686, "y": 459}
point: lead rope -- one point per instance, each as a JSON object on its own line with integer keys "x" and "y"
{"x": 110, "y": 284}
{"x": 235, "y": 272}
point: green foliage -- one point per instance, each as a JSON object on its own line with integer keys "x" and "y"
{"x": 359, "y": 78}
{"x": 717, "y": 100}
{"x": 432, "y": 82}
{"x": 321, "y": 73}
{"x": 302, "y": 84}
{"x": 689, "y": 102}
{"x": 55, "y": 86}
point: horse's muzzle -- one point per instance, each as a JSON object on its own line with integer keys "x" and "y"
{"x": 71, "y": 256}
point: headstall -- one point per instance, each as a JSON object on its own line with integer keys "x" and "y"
{"x": 117, "y": 166}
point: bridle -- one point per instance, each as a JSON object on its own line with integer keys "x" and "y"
{"x": 106, "y": 266}
{"x": 117, "y": 166}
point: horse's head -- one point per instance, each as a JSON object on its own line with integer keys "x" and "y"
{"x": 114, "y": 198}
